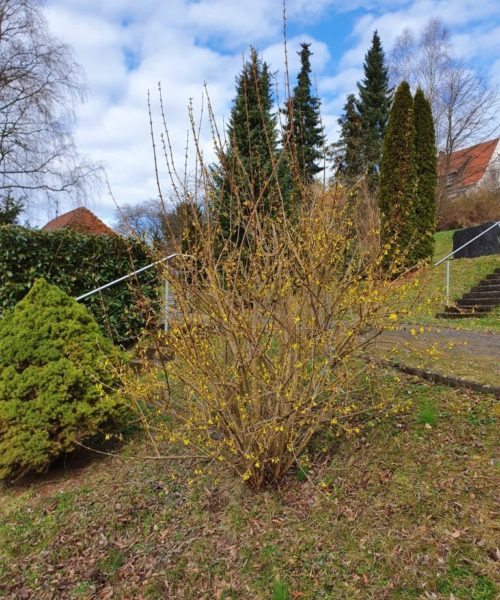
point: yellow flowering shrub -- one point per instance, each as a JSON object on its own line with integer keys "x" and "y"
{"x": 265, "y": 347}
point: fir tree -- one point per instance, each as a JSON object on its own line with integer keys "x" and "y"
{"x": 374, "y": 104}
{"x": 397, "y": 183}
{"x": 426, "y": 169}
{"x": 303, "y": 127}
{"x": 348, "y": 162}
{"x": 249, "y": 175}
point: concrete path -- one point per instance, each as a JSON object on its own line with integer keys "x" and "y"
{"x": 472, "y": 355}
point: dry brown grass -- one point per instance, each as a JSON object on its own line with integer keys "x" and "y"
{"x": 467, "y": 211}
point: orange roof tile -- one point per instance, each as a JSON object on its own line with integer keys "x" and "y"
{"x": 469, "y": 163}
{"x": 80, "y": 219}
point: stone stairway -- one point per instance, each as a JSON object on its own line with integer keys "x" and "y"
{"x": 481, "y": 299}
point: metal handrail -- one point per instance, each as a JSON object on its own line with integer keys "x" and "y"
{"x": 129, "y": 275}
{"x": 497, "y": 224}
{"x": 141, "y": 270}
{"x": 447, "y": 258}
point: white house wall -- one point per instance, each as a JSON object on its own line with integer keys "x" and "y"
{"x": 491, "y": 177}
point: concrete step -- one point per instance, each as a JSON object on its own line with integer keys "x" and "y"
{"x": 483, "y": 287}
{"x": 482, "y": 294}
{"x": 460, "y": 315}
{"x": 483, "y": 308}
{"x": 479, "y": 301}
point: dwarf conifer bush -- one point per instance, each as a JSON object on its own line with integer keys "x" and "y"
{"x": 57, "y": 380}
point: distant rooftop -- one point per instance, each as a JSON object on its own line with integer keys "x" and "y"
{"x": 469, "y": 164}
{"x": 81, "y": 220}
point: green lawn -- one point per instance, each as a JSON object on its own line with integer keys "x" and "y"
{"x": 464, "y": 274}
{"x": 404, "y": 511}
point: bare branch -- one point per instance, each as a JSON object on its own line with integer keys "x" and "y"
{"x": 40, "y": 87}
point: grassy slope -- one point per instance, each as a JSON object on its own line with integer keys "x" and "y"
{"x": 440, "y": 349}
{"x": 465, "y": 273}
{"x": 405, "y": 511}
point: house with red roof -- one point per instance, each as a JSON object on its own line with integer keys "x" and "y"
{"x": 469, "y": 169}
{"x": 81, "y": 220}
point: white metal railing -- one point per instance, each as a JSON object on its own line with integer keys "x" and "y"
{"x": 133, "y": 274}
{"x": 447, "y": 258}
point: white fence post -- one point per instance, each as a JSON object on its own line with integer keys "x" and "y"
{"x": 167, "y": 300}
{"x": 448, "y": 282}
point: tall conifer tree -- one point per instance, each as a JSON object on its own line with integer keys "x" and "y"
{"x": 374, "y": 104}
{"x": 426, "y": 167}
{"x": 397, "y": 185}
{"x": 347, "y": 157}
{"x": 303, "y": 127}
{"x": 249, "y": 175}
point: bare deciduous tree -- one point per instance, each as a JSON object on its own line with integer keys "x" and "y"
{"x": 40, "y": 86}
{"x": 144, "y": 220}
{"x": 463, "y": 102}
{"x": 154, "y": 225}
{"x": 401, "y": 65}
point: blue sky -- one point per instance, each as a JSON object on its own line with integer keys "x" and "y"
{"x": 126, "y": 47}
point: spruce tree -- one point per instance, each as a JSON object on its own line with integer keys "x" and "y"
{"x": 303, "y": 127}
{"x": 347, "y": 158}
{"x": 426, "y": 168}
{"x": 397, "y": 185}
{"x": 250, "y": 175}
{"x": 374, "y": 104}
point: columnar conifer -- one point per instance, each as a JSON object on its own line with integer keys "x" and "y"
{"x": 397, "y": 185}
{"x": 426, "y": 170}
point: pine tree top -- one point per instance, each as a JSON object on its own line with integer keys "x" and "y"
{"x": 375, "y": 96}
{"x": 303, "y": 87}
{"x": 346, "y": 152}
{"x": 374, "y": 89}
{"x": 304, "y": 121}
{"x": 252, "y": 123}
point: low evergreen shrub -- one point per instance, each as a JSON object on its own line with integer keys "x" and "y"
{"x": 58, "y": 380}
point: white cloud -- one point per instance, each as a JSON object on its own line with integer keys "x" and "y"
{"x": 127, "y": 47}
{"x": 456, "y": 14}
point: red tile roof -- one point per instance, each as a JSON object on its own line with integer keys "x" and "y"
{"x": 469, "y": 164}
{"x": 81, "y": 220}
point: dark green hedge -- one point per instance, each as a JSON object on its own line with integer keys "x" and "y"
{"x": 78, "y": 263}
